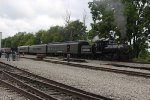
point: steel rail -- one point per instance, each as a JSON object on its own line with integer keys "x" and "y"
{"x": 57, "y": 83}
{"x": 127, "y": 66}
{"x": 71, "y": 92}
{"x": 128, "y": 61}
{"x": 126, "y": 72}
{"x": 28, "y": 87}
{"x": 19, "y": 90}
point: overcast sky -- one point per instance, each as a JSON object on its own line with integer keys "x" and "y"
{"x": 33, "y": 15}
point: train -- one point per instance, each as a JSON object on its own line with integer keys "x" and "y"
{"x": 100, "y": 49}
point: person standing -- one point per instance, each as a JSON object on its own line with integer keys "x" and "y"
{"x": 0, "y": 53}
{"x": 17, "y": 55}
{"x": 68, "y": 53}
{"x": 13, "y": 55}
{"x": 8, "y": 55}
{"x": 68, "y": 57}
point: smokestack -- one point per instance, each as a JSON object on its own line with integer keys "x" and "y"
{"x": 0, "y": 39}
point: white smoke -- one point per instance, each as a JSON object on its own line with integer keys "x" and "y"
{"x": 95, "y": 38}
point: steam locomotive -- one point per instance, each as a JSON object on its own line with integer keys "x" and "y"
{"x": 101, "y": 49}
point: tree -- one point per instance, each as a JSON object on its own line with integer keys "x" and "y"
{"x": 39, "y": 37}
{"x": 67, "y": 17}
{"x": 86, "y": 35}
{"x": 18, "y": 39}
{"x": 29, "y": 39}
{"x": 54, "y": 34}
{"x": 138, "y": 24}
{"x": 3, "y": 42}
{"x": 103, "y": 20}
{"x": 75, "y": 30}
{"x": 6, "y": 42}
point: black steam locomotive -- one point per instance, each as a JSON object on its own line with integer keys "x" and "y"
{"x": 101, "y": 49}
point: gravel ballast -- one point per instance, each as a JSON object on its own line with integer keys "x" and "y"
{"x": 115, "y": 86}
{"x": 6, "y": 94}
{"x": 106, "y": 64}
{"x": 120, "y": 63}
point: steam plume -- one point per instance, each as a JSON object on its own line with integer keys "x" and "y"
{"x": 120, "y": 19}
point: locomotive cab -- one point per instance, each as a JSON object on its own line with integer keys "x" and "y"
{"x": 109, "y": 49}
{"x": 99, "y": 46}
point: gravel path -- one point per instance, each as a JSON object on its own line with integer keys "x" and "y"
{"x": 104, "y": 64}
{"x": 116, "y": 86}
{"x": 120, "y": 63}
{"x": 6, "y": 94}
{"x": 111, "y": 62}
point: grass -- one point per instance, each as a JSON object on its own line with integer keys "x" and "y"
{"x": 144, "y": 57}
{"x": 145, "y": 60}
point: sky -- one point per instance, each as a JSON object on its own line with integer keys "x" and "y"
{"x": 33, "y": 15}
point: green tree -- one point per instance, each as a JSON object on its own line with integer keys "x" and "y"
{"x": 29, "y": 39}
{"x": 57, "y": 33}
{"x": 3, "y": 42}
{"x": 75, "y": 30}
{"x": 39, "y": 37}
{"x": 54, "y": 34}
{"x": 138, "y": 24}
{"x": 7, "y": 42}
{"x": 103, "y": 20}
{"x": 17, "y": 39}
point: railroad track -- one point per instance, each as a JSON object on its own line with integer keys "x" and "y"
{"x": 36, "y": 87}
{"x": 126, "y": 72}
{"x": 127, "y": 66}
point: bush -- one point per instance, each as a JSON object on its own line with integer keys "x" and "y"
{"x": 144, "y": 56}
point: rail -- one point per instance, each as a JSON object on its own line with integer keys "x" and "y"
{"x": 126, "y": 72}
{"x": 18, "y": 74}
